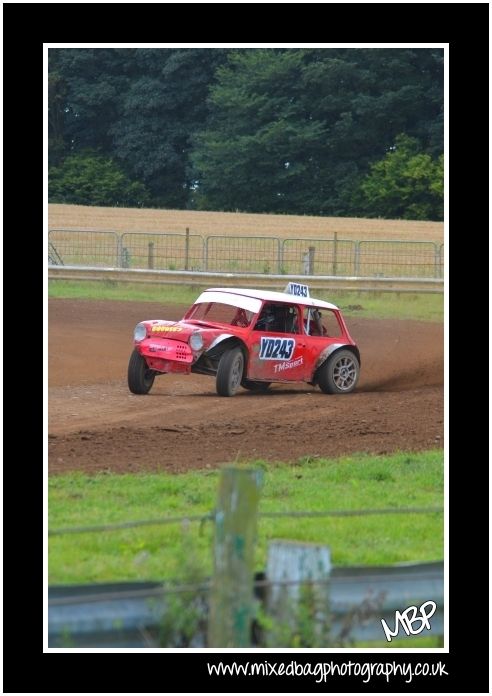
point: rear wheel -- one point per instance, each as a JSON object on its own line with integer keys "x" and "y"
{"x": 230, "y": 372}
{"x": 255, "y": 386}
{"x": 339, "y": 374}
{"x": 140, "y": 378}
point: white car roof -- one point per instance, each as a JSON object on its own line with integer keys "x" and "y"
{"x": 272, "y": 296}
{"x": 251, "y": 304}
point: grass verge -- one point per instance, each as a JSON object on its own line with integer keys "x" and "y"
{"x": 354, "y": 482}
{"x": 361, "y": 304}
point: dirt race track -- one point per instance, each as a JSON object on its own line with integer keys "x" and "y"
{"x": 96, "y": 424}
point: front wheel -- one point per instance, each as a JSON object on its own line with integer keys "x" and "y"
{"x": 230, "y": 372}
{"x": 140, "y": 378}
{"x": 340, "y": 373}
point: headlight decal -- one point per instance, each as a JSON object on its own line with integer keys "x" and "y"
{"x": 140, "y": 332}
{"x": 196, "y": 341}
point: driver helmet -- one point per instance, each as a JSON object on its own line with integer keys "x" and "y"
{"x": 268, "y": 317}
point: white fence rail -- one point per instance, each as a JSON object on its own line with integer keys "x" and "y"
{"x": 202, "y": 279}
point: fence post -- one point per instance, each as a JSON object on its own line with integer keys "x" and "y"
{"x": 206, "y": 253}
{"x": 335, "y": 253}
{"x": 281, "y": 252}
{"x": 437, "y": 261}
{"x": 187, "y": 248}
{"x": 231, "y": 597}
{"x": 308, "y": 261}
{"x": 279, "y": 256}
{"x": 125, "y": 257}
{"x": 294, "y": 567}
{"x": 357, "y": 259}
{"x": 119, "y": 251}
{"x": 305, "y": 263}
{"x": 151, "y": 255}
{"x": 312, "y": 251}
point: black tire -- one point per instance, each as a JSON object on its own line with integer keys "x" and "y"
{"x": 230, "y": 372}
{"x": 255, "y": 386}
{"x": 340, "y": 373}
{"x": 140, "y": 378}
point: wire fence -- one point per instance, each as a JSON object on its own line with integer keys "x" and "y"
{"x": 319, "y": 257}
{"x": 169, "y": 252}
{"x": 75, "y": 247}
{"x": 272, "y": 515}
{"x": 242, "y": 254}
{"x": 174, "y": 251}
{"x": 408, "y": 259}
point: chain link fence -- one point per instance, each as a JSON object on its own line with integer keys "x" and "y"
{"x": 84, "y": 247}
{"x": 166, "y": 252}
{"x": 395, "y": 258}
{"x": 318, "y": 257}
{"x": 242, "y": 254}
{"x": 176, "y": 251}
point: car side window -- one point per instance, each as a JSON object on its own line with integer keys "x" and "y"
{"x": 321, "y": 323}
{"x": 313, "y": 322}
{"x": 278, "y": 318}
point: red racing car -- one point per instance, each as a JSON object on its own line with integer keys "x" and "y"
{"x": 249, "y": 338}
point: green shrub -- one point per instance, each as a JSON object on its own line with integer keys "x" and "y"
{"x": 87, "y": 178}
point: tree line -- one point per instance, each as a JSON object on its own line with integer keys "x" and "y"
{"x": 344, "y": 132}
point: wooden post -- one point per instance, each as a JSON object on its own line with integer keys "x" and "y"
{"x": 119, "y": 253}
{"x": 295, "y": 570}
{"x": 305, "y": 263}
{"x": 151, "y": 255}
{"x": 311, "y": 260}
{"x": 187, "y": 248}
{"x": 335, "y": 252}
{"x": 231, "y": 598}
{"x": 125, "y": 257}
{"x": 437, "y": 261}
{"x": 357, "y": 259}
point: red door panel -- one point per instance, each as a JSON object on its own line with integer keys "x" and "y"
{"x": 277, "y": 357}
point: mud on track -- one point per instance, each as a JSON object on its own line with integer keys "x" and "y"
{"x": 96, "y": 424}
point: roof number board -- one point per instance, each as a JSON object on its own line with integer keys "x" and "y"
{"x": 297, "y": 289}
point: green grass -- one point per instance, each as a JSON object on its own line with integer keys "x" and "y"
{"x": 354, "y": 482}
{"x": 388, "y": 305}
{"x": 361, "y": 304}
{"x": 130, "y": 292}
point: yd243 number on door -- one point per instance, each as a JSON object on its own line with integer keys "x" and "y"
{"x": 276, "y": 348}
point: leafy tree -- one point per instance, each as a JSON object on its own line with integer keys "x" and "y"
{"x": 406, "y": 183}
{"x": 87, "y": 178}
{"x": 280, "y": 130}
{"x": 296, "y": 130}
{"x": 139, "y": 106}
{"x": 259, "y": 148}
{"x": 164, "y": 105}
{"x": 95, "y": 80}
{"x": 57, "y": 92}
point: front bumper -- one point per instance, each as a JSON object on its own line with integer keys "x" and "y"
{"x": 166, "y": 355}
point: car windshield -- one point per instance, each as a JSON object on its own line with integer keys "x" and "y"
{"x": 218, "y": 313}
